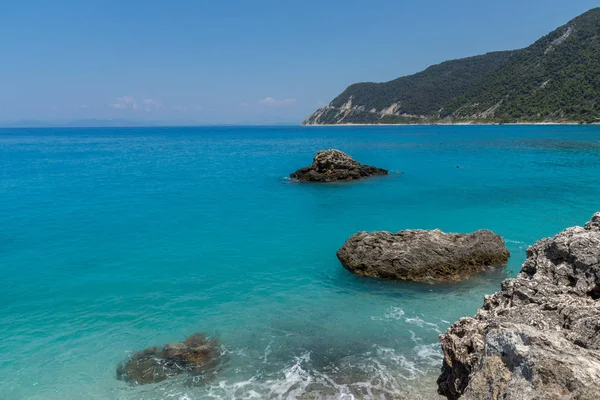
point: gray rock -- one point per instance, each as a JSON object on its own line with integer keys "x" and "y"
{"x": 419, "y": 255}
{"x": 197, "y": 355}
{"x": 539, "y": 336}
{"x": 334, "y": 165}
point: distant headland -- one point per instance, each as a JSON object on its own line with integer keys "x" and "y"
{"x": 555, "y": 80}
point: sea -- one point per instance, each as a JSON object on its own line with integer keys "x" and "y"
{"x": 113, "y": 240}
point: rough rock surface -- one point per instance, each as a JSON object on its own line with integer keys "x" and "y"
{"x": 539, "y": 336}
{"x": 420, "y": 255}
{"x": 197, "y": 355}
{"x": 334, "y": 165}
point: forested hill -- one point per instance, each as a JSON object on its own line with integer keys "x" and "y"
{"x": 556, "y": 79}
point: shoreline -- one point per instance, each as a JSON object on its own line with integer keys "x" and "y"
{"x": 459, "y": 124}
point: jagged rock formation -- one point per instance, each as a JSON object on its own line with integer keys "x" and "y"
{"x": 553, "y": 80}
{"x": 197, "y": 355}
{"x": 334, "y": 165}
{"x": 539, "y": 336}
{"x": 419, "y": 255}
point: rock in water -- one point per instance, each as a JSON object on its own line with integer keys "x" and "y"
{"x": 420, "y": 255}
{"x": 197, "y": 355}
{"x": 334, "y": 165}
{"x": 539, "y": 336}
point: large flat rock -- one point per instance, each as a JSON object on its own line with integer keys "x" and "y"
{"x": 420, "y": 255}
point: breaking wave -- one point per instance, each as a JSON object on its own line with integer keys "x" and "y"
{"x": 380, "y": 373}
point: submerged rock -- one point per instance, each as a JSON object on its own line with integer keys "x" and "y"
{"x": 197, "y": 355}
{"x": 334, "y": 165}
{"x": 539, "y": 336}
{"x": 420, "y": 255}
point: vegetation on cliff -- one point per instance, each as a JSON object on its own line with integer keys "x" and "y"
{"x": 556, "y": 79}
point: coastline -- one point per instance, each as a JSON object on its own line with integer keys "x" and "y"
{"x": 458, "y": 124}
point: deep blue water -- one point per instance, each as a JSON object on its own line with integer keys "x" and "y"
{"x": 113, "y": 240}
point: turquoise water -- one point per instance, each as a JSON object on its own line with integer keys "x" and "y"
{"x": 113, "y": 240}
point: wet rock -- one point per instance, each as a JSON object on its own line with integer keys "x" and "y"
{"x": 334, "y": 165}
{"x": 197, "y": 355}
{"x": 420, "y": 255}
{"x": 539, "y": 336}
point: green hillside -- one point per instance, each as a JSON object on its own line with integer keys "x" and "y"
{"x": 557, "y": 79}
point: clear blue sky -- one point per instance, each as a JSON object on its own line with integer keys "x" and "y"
{"x": 238, "y": 61}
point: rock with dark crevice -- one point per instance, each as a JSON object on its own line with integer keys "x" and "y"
{"x": 539, "y": 336}
{"x": 334, "y": 165}
{"x": 421, "y": 255}
{"x": 198, "y": 356}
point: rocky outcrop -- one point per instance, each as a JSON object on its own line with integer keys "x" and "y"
{"x": 420, "y": 255}
{"x": 197, "y": 355}
{"x": 539, "y": 336}
{"x": 334, "y": 165}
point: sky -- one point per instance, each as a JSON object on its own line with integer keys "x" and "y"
{"x": 237, "y": 61}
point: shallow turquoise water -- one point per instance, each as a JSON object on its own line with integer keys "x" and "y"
{"x": 113, "y": 240}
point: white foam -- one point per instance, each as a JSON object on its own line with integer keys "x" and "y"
{"x": 414, "y": 337}
{"x": 394, "y": 313}
{"x": 380, "y": 373}
{"x": 430, "y": 354}
{"x": 267, "y": 352}
{"x": 422, "y": 324}
{"x": 410, "y": 367}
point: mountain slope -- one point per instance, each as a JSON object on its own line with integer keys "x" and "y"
{"x": 555, "y": 79}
